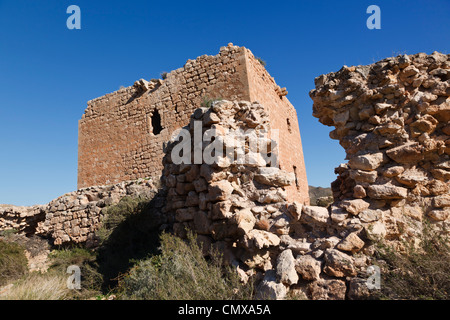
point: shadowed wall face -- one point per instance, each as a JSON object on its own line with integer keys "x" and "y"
{"x": 122, "y": 134}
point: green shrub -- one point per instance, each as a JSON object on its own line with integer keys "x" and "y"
{"x": 420, "y": 273}
{"x": 8, "y": 232}
{"x": 181, "y": 272}
{"x": 164, "y": 75}
{"x": 65, "y": 257}
{"x": 324, "y": 201}
{"x": 13, "y": 262}
{"x": 207, "y": 102}
{"x": 116, "y": 214}
{"x": 91, "y": 279}
{"x": 129, "y": 232}
{"x": 261, "y": 61}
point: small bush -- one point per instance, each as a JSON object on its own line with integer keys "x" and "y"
{"x": 421, "y": 273}
{"x": 261, "y": 61}
{"x": 91, "y": 279}
{"x": 13, "y": 262}
{"x": 207, "y": 102}
{"x": 181, "y": 272}
{"x": 129, "y": 232}
{"x": 164, "y": 75}
{"x": 324, "y": 201}
{"x": 119, "y": 213}
{"x": 71, "y": 256}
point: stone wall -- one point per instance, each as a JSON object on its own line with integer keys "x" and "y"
{"x": 74, "y": 217}
{"x": 22, "y": 219}
{"x": 240, "y": 208}
{"x": 118, "y": 135}
{"x": 392, "y": 118}
{"x": 243, "y": 210}
{"x": 282, "y": 117}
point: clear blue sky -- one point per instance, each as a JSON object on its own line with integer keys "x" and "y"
{"x": 48, "y": 73}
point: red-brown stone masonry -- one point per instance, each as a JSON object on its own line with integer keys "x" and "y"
{"x": 282, "y": 116}
{"x": 115, "y": 142}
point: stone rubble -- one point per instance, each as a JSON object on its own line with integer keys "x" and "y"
{"x": 394, "y": 129}
{"x": 243, "y": 209}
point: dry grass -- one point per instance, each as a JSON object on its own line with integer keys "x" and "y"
{"x": 91, "y": 279}
{"x": 422, "y": 273}
{"x": 181, "y": 272}
{"x": 36, "y": 286}
{"x": 13, "y": 262}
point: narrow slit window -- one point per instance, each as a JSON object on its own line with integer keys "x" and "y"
{"x": 156, "y": 123}
{"x": 296, "y": 179}
{"x": 289, "y": 125}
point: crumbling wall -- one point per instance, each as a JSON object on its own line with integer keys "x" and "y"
{"x": 120, "y": 140}
{"x": 243, "y": 210}
{"x": 392, "y": 118}
{"x": 75, "y": 217}
{"x": 239, "y": 206}
{"x": 20, "y": 218}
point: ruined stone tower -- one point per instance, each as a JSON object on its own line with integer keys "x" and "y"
{"x": 122, "y": 134}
